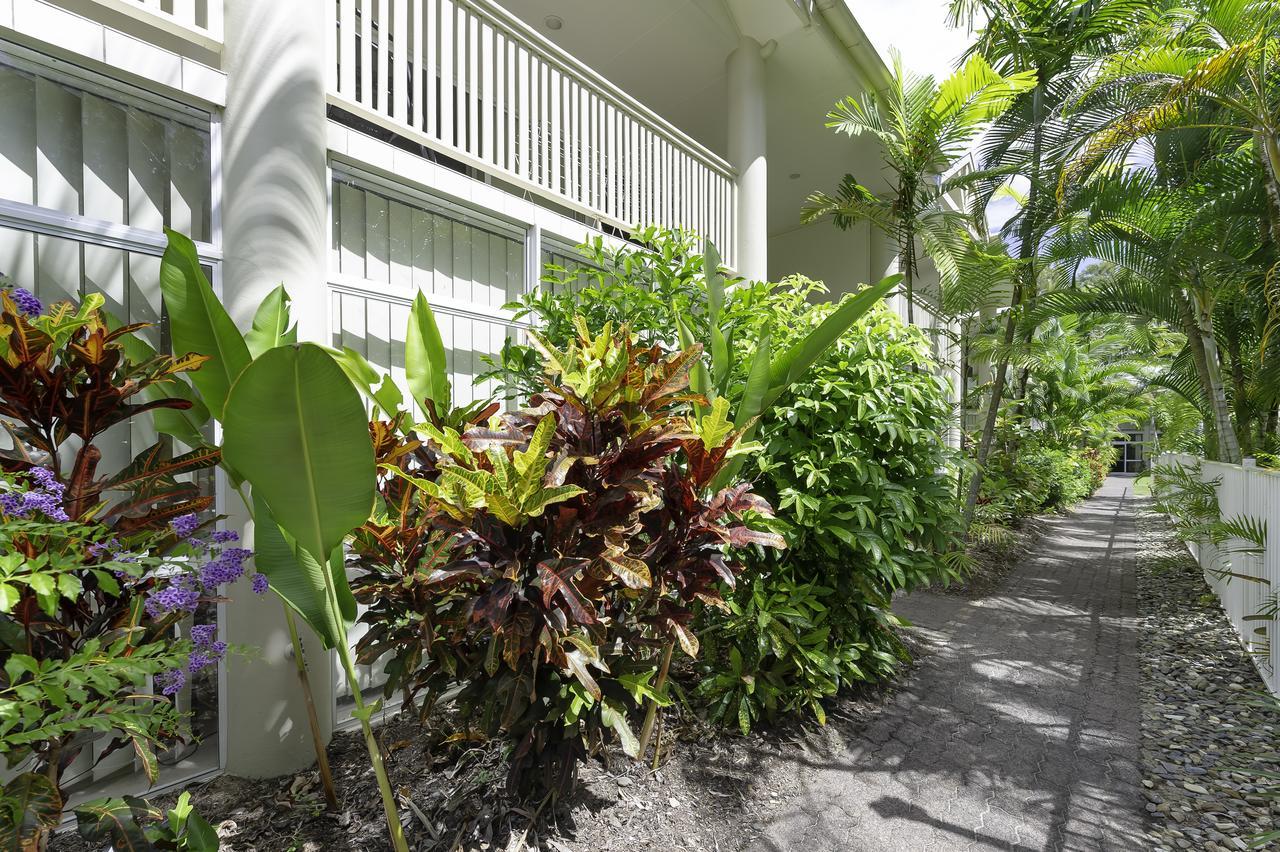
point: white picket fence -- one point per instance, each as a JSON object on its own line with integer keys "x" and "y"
{"x": 1251, "y": 492}
{"x": 469, "y": 78}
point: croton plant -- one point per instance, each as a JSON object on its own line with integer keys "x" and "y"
{"x": 542, "y": 559}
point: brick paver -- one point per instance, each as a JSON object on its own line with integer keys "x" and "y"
{"x": 1019, "y": 730}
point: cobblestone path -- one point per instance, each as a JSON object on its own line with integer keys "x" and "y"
{"x": 1019, "y": 730}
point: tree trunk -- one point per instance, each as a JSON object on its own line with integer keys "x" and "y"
{"x": 1026, "y": 252}
{"x": 1244, "y": 422}
{"x": 1228, "y": 444}
{"x": 993, "y": 412}
{"x": 907, "y": 266}
{"x": 1269, "y": 148}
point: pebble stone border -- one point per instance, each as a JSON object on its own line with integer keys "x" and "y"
{"x": 1203, "y": 729}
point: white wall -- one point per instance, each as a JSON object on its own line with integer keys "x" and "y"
{"x": 823, "y": 252}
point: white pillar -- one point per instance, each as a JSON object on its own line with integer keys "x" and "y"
{"x": 274, "y": 214}
{"x": 747, "y": 134}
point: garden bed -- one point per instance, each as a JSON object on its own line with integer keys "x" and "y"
{"x": 716, "y": 791}
{"x": 1205, "y": 733}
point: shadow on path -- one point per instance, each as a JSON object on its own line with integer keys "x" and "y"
{"x": 1019, "y": 731}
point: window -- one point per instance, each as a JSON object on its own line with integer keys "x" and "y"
{"x": 89, "y": 179}
{"x": 386, "y": 250}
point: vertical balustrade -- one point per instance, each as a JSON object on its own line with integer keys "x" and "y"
{"x": 467, "y": 77}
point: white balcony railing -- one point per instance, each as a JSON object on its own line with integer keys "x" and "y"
{"x": 468, "y": 78}
{"x": 201, "y": 19}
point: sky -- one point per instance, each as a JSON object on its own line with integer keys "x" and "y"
{"x": 917, "y": 28}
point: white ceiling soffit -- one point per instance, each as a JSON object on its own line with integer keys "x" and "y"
{"x": 670, "y": 55}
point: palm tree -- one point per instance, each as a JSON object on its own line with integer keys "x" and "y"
{"x": 1184, "y": 237}
{"x": 1056, "y": 40}
{"x": 1214, "y": 66}
{"x": 923, "y": 127}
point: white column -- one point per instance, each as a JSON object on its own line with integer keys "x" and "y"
{"x": 274, "y": 214}
{"x": 747, "y": 133}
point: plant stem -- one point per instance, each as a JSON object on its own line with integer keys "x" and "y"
{"x": 322, "y": 758}
{"x": 651, "y": 712}
{"x": 375, "y": 752}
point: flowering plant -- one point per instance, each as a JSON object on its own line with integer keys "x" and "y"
{"x": 87, "y": 622}
{"x": 98, "y": 595}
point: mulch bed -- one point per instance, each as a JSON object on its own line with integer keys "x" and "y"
{"x": 1205, "y": 729}
{"x": 713, "y": 791}
{"x": 993, "y": 561}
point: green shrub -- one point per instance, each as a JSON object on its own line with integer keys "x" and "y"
{"x": 853, "y": 454}
{"x": 856, "y": 464}
{"x": 1027, "y": 474}
{"x": 573, "y": 540}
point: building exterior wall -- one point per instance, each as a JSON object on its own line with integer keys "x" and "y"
{"x": 260, "y": 127}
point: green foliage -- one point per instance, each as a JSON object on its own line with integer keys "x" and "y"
{"x": 66, "y": 378}
{"x": 554, "y": 550}
{"x": 297, "y": 431}
{"x": 131, "y": 824}
{"x": 850, "y": 419}
{"x": 30, "y": 808}
{"x": 1190, "y": 500}
{"x": 855, "y": 461}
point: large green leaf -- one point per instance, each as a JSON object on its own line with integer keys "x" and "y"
{"x": 721, "y": 362}
{"x": 791, "y": 365}
{"x": 699, "y": 378}
{"x": 271, "y": 324}
{"x": 296, "y": 429}
{"x": 425, "y": 365}
{"x": 297, "y": 577}
{"x": 116, "y": 821}
{"x": 198, "y": 323}
{"x": 757, "y": 388}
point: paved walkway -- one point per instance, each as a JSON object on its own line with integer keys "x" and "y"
{"x": 1020, "y": 731}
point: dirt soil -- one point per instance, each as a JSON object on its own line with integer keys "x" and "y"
{"x": 713, "y": 791}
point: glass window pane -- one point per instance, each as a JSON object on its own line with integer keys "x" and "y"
{"x": 103, "y": 158}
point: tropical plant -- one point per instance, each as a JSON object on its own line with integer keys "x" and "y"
{"x": 90, "y": 589}
{"x": 297, "y": 430}
{"x": 1029, "y": 142}
{"x": 66, "y": 378}
{"x": 133, "y": 823}
{"x": 199, "y": 323}
{"x": 572, "y": 541}
{"x": 922, "y": 128}
{"x": 854, "y": 459}
{"x": 1182, "y": 492}
{"x": 767, "y": 375}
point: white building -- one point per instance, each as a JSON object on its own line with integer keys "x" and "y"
{"x": 362, "y": 150}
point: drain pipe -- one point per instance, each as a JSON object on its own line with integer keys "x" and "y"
{"x": 849, "y": 39}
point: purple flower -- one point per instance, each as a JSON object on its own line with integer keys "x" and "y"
{"x": 224, "y": 536}
{"x": 201, "y": 659}
{"x": 202, "y": 635}
{"x": 226, "y": 567}
{"x": 26, "y": 302}
{"x": 178, "y": 596}
{"x": 260, "y": 584}
{"x": 11, "y": 503}
{"x": 46, "y": 498}
{"x": 172, "y": 681}
{"x": 185, "y": 525}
